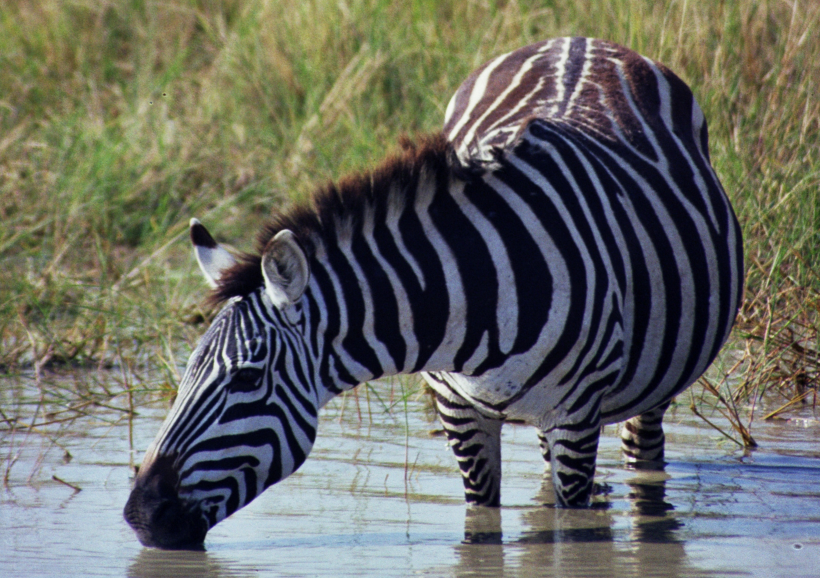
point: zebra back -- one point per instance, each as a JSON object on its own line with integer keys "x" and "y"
{"x": 605, "y": 90}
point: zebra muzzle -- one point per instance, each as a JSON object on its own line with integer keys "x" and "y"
{"x": 158, "y": 515}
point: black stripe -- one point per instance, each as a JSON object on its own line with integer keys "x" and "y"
{"x": 297, "y": 418}
{"x": 229, "y": 483}
{"x": 571, "y": 195}
{"x": 255, "y": 438}
{"x": 353, "y": 342}
{"x": 384, "y": 304}
{"x": 573, "y": 68}
{"x": 668, "y": 267}
{"x": 332, "y": 315}
{"x": 631, "y": 252}
{"x": 552, "y": 222}
{"x": 227, "y": 464}
{"x": 479, "y": 280}
{"x": 198, "y": 418}
{"x": 532, "y": 280}
{"x": 297, "y": 356}
{"x": 431, "y": 306}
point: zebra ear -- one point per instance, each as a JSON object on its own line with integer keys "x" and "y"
{"x": 212, "y": 257}
{"x": 285, "y": 269}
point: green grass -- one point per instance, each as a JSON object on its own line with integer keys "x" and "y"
{"x": 121, "y": 120}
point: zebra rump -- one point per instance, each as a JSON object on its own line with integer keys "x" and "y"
{"x": 561, "y": 254}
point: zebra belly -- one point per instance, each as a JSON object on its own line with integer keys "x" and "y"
{"x": 533, "y": 388}
{"x": 594, "y": 364}
{"x": 501, "y": 394}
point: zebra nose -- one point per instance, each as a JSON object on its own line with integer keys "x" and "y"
{"x": 158, "y": 515}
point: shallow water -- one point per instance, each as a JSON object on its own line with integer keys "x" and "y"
{"x": 380, "y": 496}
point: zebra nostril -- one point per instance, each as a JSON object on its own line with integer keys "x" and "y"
{"x": 164, "y": 522}
{"x": 159, "y": 516}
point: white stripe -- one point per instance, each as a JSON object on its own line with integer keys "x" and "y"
{"x": 405, "y": 312}
{"x": 442, "y": 359}
{"x": 479, "y": 88}
{"x": 560, "y": 71}
{"x": 368, "y": 325}
{"x": 527, "y": 66}
{"x": 507, "y": 306}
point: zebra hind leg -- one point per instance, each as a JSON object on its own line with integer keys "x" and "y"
{"x": 571, "y": 451}
{"x": 476, "y": 442}
{"x": 642, "y": 438}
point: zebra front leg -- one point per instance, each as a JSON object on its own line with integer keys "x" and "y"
{"x": 476, "y": 442}
{"x": 642, "y": 438}
{"x": 571, "y": 451}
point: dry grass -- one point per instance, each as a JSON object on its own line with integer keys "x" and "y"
{"x": 119, "y": 120}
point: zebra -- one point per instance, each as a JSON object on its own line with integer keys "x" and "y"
{"x": 561, "y": 254}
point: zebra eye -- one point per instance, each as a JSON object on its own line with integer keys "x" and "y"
{"x": 245, "y": 380}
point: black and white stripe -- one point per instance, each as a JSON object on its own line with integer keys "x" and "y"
{"x": 563, "y": 254}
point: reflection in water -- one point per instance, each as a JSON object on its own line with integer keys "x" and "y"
{"x": 654, "y": 536}
{"x": 549, "y": 544}
{"x": 482, "y": 525}
{"x": 153, "y": 563}
{"x": 482, "y": 552}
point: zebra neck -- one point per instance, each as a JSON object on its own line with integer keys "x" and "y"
{"x": 381, "y": 295}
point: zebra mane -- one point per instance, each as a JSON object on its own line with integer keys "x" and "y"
{"x": 394, "y": 180}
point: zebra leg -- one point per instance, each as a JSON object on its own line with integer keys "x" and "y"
{"x": 476, "y": 442}
{"x": 572, "y": 451}
{"x": 642, "y": 436}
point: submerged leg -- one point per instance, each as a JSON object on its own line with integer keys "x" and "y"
{"x": 476, "y": 442}
{"x": 572, "y": 450}
{"x": 642, "y": 436}
{"x": 572, "y": 463}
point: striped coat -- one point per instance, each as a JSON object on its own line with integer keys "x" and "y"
{"x": 562, "y": 254}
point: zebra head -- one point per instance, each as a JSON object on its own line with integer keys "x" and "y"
{"x": 245, "y": 415}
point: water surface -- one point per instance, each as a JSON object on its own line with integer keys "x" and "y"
{"x": 381, "y": 496}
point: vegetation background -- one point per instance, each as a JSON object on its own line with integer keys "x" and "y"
{"x": 121, "y": 119}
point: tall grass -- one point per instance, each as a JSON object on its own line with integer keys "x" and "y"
{"x": 119, "y": 120}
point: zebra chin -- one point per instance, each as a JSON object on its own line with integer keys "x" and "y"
{"x": 159, "y": 516}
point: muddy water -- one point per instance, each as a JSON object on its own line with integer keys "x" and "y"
{"x": 380, "y": 496}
